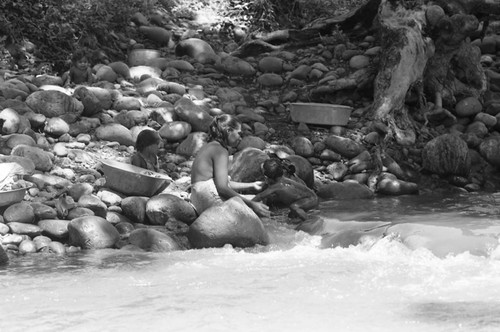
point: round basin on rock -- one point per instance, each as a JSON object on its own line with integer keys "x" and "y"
{"x": 13, "y": 196}
{"x": 321, "y": 114}
{"x": 132, "y": 180}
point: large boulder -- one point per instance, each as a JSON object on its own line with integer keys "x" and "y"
{"x": 346, "y": 190}
{"x": 447, "y": 155}
{"x": 193, "y": 114}
{"x": 246, "y": 165}
{"x": 92, "y": 232}
{"x": 165, "y": 207}
{"x": 56, "y": 229}
{"x": 152, "y": 240}
{"x": 344, "y": 146}
{"x": 231, "y": 222}
{"x": 39, "y": 157}
{"x": 303, "y": 169}
{"x": 54, "y": 103}
{"x": 115, "y": 132}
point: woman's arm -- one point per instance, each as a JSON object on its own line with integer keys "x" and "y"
{"x": 256, "y": 185}
{"x": 220, "y": 159}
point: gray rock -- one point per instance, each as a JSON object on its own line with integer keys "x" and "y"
{"x": 188, "y": 111}
{"x": 24, "y": 229}
{"x": 41, "y": 159}
{"x": 175, "y": 131}
{"x": 56, "y": 229}
{"x": 21, "y": 212}
{"x": 164, "y": 207}
{"x": 192, "y": 144}
{"x": 55, "y": 104}
{"x": 446, "y": 155}
{"x": 153, "y": 240}
{"x": 93, "y": 203}
{"x": 134, "y": 208}
{"x": 346, "y": 190}
{"x": 232, "y": 222}
{"x": 115, "y": 132}
{"x": 246, "y": 164}
{"x": 344, "y": 146}
{"x": 92, "y": 232}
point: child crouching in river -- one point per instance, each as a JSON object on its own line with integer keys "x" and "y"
{"x": 283, "y": 190}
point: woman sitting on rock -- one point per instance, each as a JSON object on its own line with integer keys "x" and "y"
{"x": 210, "y": 182}
{"x": 283, "y": 190}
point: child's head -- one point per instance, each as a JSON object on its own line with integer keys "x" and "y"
{"x": 147, "y": 138}
{"x": 274, "y": 168}
{"x": 79, "y": 59}
{"x": 225, "y": 129}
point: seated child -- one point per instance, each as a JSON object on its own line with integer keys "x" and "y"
{"x": 146, "y": 154}
{"x": 286, "y": 191}
{"x": 79, "y": 72}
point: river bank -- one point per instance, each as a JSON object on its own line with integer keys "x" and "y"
{"x": 58, "y": 137}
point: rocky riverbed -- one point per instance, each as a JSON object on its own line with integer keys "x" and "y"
{"x": 54, "y": 139}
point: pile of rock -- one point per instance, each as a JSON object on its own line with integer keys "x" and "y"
{"x": 58, "y": 136}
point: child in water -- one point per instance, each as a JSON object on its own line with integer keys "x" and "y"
{"x": 146, "y": 154}
{"x": 79, "y": 72}
{"x": 283, "y": 190}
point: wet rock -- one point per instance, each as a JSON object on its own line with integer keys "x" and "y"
{"x": 24, "y": 229}
{"x": 337, "y": 170}
{"x": 124, "y": 227}
{"x": 42, "y": 180}
{"x": 56, "y": 229}
{"x": 346, "y": 190}
{"x": 232, "y": 222}
{"x": 359, "y": 61}
{"x": 41, "y": 242}
{"x": 164, "y": 207}
{"x": 92, "y": 232}
{"x": 21, "y": 212}
{"x": 138, "y": 72}
{"x": 109, "y": 197}
{"x": 4, "y": 229}
{"x": 246, "y": 165}
{"x": 93, "y": 203}
{"x": 153, "y": 240}
{"x": 134, "y": 208}
{"x": 446, "y": 154}
{"x": 27, "y": 247}
{"x": 57, "y": 248}
{"x": 116, "y": 218}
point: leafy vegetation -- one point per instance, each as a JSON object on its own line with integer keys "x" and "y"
{"x": 58, "y": 27}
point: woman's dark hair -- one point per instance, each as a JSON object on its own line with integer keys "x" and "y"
{"x": 221, "y": 126}
{"x": 77, "y": 55}
{"x": 146, "y": 138}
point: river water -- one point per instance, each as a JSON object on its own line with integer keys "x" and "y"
{"x": 292, "y": 284}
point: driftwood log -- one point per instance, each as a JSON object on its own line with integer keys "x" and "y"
{"x": 426, "y": 49}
